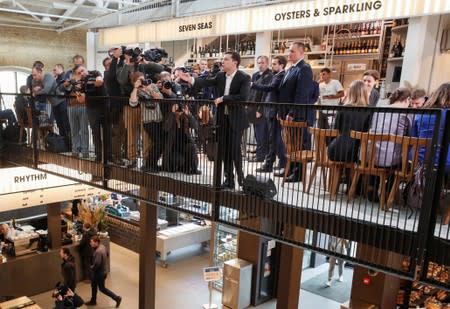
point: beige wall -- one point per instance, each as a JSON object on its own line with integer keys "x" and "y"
{"x": 440, "y": 73}
{"x": 20, "y": 47}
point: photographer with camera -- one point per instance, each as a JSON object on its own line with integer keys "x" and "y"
{"x": 90, "y": 83}
{"x": 66, "y": 298}
{"x": 180, "y": 154}
{"x": 168, "y": 88}
{"x": 76, "y": 111}
{"x": 144, "y": 94}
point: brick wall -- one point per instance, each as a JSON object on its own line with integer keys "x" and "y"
{"x": 21, "y": 47}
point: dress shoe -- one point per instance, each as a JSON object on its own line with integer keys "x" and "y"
{"x": 91, "y": 303}
{"x": 373, "y": 196}
{"x": 264, "y": 169}
{"x": 228, "y": 184}
{"x": 194, "y": 172}
{"x": 96, "y": 178}
{"x": 278, "y": 168}
{"x": 255, "y": 159}
{"x": 280, "y": 173}
{"x": 292, "y": 178}
{"x": 118, "y": 301}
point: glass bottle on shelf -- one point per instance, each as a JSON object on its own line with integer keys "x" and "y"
{"x": 364, "y": 29}
{"x": 375, "y": 47}
{"x": 394, "y": 23}
{"x": 378, "y": 28}
{"x": 276, "y": 50}
{"x": 282, "y": 48}
{"x": 192, "y": 52}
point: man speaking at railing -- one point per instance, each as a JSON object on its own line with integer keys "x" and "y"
{"x": 233, "y": 86}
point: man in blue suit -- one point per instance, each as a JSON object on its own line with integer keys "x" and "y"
{"x": 297, "y": 87}
{"x": 276, "y": 146}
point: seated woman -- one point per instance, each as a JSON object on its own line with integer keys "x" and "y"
{"x": 180, "y": 154}
{"x": 389, "y": 154}
{"x": 424, "y": 124}
{"x": 343, "y": 148}
{"x": 151, "y": 117}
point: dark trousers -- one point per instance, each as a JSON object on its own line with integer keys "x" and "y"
{"x": 261, "y": 133}
{"x": 95, "y": 117}
{"x": 155, "y": 135}
{"x": 8, "y": 114}
{"x": 232, "y": 151}
{"x": 116, "y": 131}
{"x": 98, "y": 283}
{"x": 86, "y": 262}
{"x": 275, "y": 143}
{"x": 62, "y": 119}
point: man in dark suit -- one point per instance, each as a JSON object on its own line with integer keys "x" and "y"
{"x": 233, "y": 86}
{"x": 297, "y": 87}
{"x": 276, "y": 146}
{"x": 255, "y": 113}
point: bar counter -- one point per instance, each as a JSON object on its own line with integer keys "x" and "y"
{"x": 36, "y": 273}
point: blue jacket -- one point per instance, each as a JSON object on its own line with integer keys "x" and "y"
{"x": 423, "y": 126}
{"x": 298, "y": 88}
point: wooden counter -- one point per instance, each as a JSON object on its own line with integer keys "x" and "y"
{"x": 14, "y": 303}
{"x": 37, "y": 272}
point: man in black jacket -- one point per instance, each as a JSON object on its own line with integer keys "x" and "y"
{"x": 276, "y": 146}
{"x": 233, "y": 86}
{"x": 255, "y": 113}
{"x": 99, "y": 272}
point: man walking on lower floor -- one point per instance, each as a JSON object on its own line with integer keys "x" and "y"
{"x": 99, "y": 272}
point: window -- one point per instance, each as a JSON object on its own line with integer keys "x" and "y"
{"x": 10, "y": 81}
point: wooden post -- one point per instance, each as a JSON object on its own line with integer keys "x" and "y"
{"x": 147, "y": 255}
{"x": 290, "y": 273}
{"x": 54, "y": 225}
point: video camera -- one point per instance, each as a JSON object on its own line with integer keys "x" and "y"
{"x": 134, "y": 53}
{"x": 60, "y": 290}
{"x": 88, "y": 82}
{"x": 155, "y": 54}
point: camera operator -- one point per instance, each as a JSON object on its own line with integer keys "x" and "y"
{"x": 65, "y": 298}
{"x": 59, "y": 109}
{"x": 76, "y": 111}
{"x": 135, "y": 61}
{"x": 91, "y": 84}
{"x": 143, "y": 94}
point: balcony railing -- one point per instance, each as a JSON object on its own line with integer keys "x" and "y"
{"x": 352, "y": 182}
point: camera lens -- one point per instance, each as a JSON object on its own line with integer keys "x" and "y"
{"x": 167, "y": 84}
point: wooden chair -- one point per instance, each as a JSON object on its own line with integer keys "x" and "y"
{"x": 366, "y": 164}
{"x": 292, "y": 134}
{"x": 321, "y": 160}
{"x": 406, "y": 171}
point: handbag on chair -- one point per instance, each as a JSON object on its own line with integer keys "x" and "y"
{"x": 259, "y": 186}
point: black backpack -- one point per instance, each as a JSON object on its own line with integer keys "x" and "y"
{"x": 259, "y": 186}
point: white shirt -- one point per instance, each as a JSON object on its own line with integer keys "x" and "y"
{"x": 332, "y": 88}
{"x": 229, "y": 79}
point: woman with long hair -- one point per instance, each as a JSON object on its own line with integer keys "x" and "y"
{"x": 389, "y": 154}
{"x": 343, "y": 148}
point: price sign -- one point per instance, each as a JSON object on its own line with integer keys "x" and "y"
{"x": 212, "y": 273}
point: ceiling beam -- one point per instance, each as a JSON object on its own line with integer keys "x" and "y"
{"x": 69, "y": 12}
{"x": 27, "y": 27}
{"x": 28, "y": 11}
{"x": 42, "y": 14}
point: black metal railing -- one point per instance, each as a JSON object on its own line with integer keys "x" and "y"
{"x": 350, "y": 175}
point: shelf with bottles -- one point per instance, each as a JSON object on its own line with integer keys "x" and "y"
{"x": 357, "y": 47}
{"x": 400, "y": 24}
{"x": 358, "y": 30}
{"x": 391, "y": 59}
{"x": 215, "y": 47}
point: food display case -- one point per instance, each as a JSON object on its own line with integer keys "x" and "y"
{"x": 225, "y": 248}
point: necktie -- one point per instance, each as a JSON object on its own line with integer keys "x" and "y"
{"x": 286, "y": 76}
